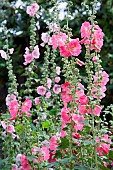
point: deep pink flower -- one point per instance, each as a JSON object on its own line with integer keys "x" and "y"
{"x": 24, "y": 163}
{"x": 83, "y": 109}
{"x": 77, "y": 118}
{"x": 76, "y": 135}
{"x": 26, "y": 105}
{"x": 53, "y": 143}
{"x": 85, "y": 30}
{"x": 83, "y": 100}
{"x": 57, "y": 88}
{"x": 65, "y": 114}
{"x": 41, "y": 90}
{"x": 71, "y": 48}
{"x": 97, "y": 110}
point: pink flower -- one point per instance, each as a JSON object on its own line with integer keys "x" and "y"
{"x": 34, "y": 150}
{"x": 24, "y": 163}
{"x": 58, "y": 40}
{"x": 57, "y": 79}
{"x": 48, "y": 94}
{"x": 41, "y": 90}
{"x": 37, "y": 100}
{"x": 76, "y": 135}
{"x": 66, "y": 96}
{"x": 80, "y": 63}
{"x": 31, "y": 10}
{"x": 65, "y": 114}
{"x": 53, "y": 27}
{"x": 45, "y": 37}
{"x": 3, "y": 54}
{"x": 9, "y": 98}
{"x": 26, "y": 105}
{"x": 57, "y": 88}
{"x": 3, "y": 123}
{"x": 63, "y": 133}
{"x": 44, "y": 153}
{"x": 77, "y": 118}
{"x": 71, "y": 48}
{"x": 11, "y": 50}
{"x": 58, "y": 70}
{"x": 79, "y": 126}
{"x": 53, "y": 143}
{"x": 10, "y": 128}
{"x": 49, "y": 82}
{"x": 83, "y": 100}
{"x": 97, "y": 110}
{"x": 85, "y": 30}
{"x": 95, "y": 58}
{"x": 36, "y": 52}
{"x": 83, "y": 109}
{"x": 28, "y": 58}
{"x": 13, "y": 108}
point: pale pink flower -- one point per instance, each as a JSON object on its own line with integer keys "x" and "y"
{"x": 41, "y": 90}
{"x": 9, "y": 98}
{"x": 36, "y": 52}
{"x": 26, "y": 105}
{"x": 106, "y": 139}
{"x": 80, "y": 63}
{"x": 97, "y": 110}
{"x": 54, "y": 27}
{"x": 57, "y": 79}
{"x": 34, "y": 150}
{"x": 3, "y": 123}
{"x": 57, "y": 88}
{"x": 45, "y": 37}
{"x": 44, "y": 153}
{"x": 31, "y": 10}
{"x": 86, "y": 30}
{"x": 37, "y": 100}
{"x": 15, "y": 136}
{"x": 28, "y": 58}
{"x": 58, "y": 40}
{"x": 10, "y": 128}
{"x": 79, "y": 126}
{"x": 63, "y": 133}
{"x": 77, "y": 118}
{"x": 49, "y": 82}
{"x": 95, "y": 58}
{"x": 58, "y": 70}
{"x": 48, "y": 94}
{"x": 3, "y": 54}
{"x": 71, "y": 48}
{"x": 11, "y": 50}
{"x": 13, "y": 108}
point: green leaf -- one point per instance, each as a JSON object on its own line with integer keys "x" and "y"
{"x": 80, "y": 168}
{"x": 67, "y": 160}
{"x": 111, "y": 154}
{"x": 64, "y": 143}
{"x": 56, "y": 164}
{"x": 87, "y": 142}
{"x": 45, "y": 124}
{"x": 19, "y": 128}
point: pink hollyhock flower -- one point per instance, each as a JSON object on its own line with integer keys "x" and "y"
{"x": 95, "y": 58}
{"x": 77, "y": 118}
{"x": 83, "y": 100}
{"x": 41, "y": 90}
{"x": 26, "y": 105}
{"x": 63, "y": 133}
{"x": 53, "y": 143}
{"x": 45, "y": 37}
{"x": 37, "y": 100}
{"x": 80, "y": 63}
{"x": 31, "y": 10}
{"x": 49, "y": 82}
{"x": 79, "y": 93}
{"x": 10, "y": 128}
{"x": 44, "y": 153}
{"x": 97, "y": 110}
{"x": 58, "y": 70}
{"x": 11, "y": 50}
{"x": 13, "y": 108}
{"x": 36, "y": 52}
{"x": 24, "y": 163}
{"x": 34, "y": 150}
{"x": 71, "y": 48}
{"x": 28, "y": 58}
{"x": 9, "y": 98}
{"x": 54, "y": 27}
{"x": 86, "y": 30}
{"x": 83, "y": 109}
{"x": 57, "y": 88}
{"x": 79, "y": 126}
{"x": 58, "y": 40}
{"x": 3, "y": 123}
{"x": 48, "y": 94}
{"x": 106, "y": 139}
{"x": 57, "y": 79}
{"x": 3, "y": 54}
{"x": 65, "y": 114}
{"x": 76, "y": 135}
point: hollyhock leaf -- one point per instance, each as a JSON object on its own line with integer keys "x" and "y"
{"x": 30, "y": 158}
{"x": 46, "y": 124}
{"x": 64, "y": 143}
{"x": 56, "y": 164}
{"x": 67, "y": 160}
{"x": 81, "y": 168}
{"x": 111, "y": 154}
{"x": 86, "y": 123}
{"x": 87, "y": 142}
{"x": 53, "y": 111}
